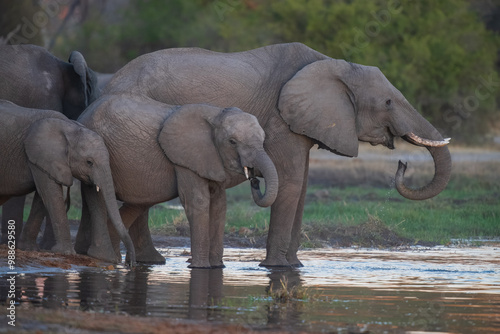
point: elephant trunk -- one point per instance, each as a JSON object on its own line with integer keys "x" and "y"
{"x": 264, "y": 164}
{"x": 442, "y": 171}
{"x": 108, "y": 194}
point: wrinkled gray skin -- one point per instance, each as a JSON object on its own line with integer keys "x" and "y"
{"x": 300, "y": 97}
{"x": 32, "y": 77}
{"x": 43, "y": 150}
{"x": 159, "y": 152}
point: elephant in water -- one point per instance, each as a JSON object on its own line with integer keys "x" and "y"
{"x": 301, "y": 98}
{"x": 159, "y": 152}
{"x": 32, "y": 77}
{"x": 43, "y": 150}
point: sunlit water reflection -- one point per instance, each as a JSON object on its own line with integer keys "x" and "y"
{"x": 449, "y": 290}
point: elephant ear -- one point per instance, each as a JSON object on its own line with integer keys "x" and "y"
{"x": 187, "y": 140}
{"x": 87, "y": 77}
{"x": 317, "y": 102}
{"x": 46, "y": 147}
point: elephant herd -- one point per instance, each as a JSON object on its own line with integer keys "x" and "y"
{"x": 187, "y": 123}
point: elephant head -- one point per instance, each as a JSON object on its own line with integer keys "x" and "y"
{"x": 64, "y": 149}
{"x": 337, "y": 103}
{"x": 224, "y": 140}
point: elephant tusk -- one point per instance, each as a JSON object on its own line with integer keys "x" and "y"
{"x": 427, "y": 142}
{"x": 97, "y": 188}
{"x": 246, "y": 172}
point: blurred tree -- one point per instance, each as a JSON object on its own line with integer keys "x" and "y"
{"x": 22, "y": 21}
{"x": 156, "y": 24}
{"x": 437, "y": 53}
{"x": 116, "y": 32}
{"x": 95, "y": 30}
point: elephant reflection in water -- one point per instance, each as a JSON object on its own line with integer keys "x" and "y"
{"x": 106, "y": 291}
{"x": 55, "y": 292}
{"x": 281, "y": 313}
{"x": 143, "y": 292}
{"x": 205, "y": 289}
{"x": 50, "y": 292}
{"x": 98, "y": 290}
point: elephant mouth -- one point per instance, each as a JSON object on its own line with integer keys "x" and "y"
{"x": 386, "y": 140}
{"x": 252, "y": 177}
{"x": 382, "y": 137}
{"x": 249, "y": 173}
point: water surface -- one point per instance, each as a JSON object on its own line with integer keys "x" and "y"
{"x": 446, "y": 290}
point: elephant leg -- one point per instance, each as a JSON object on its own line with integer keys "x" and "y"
{"x": 283, "y": 227}
{"x": 136, "y": 219}
{"x": 53, "y": 199}
{"x": 100, "y": 242}
{"x": 195, "y": 198}
{"x": 32, "y": 227}
{"x": 217, "y": 222}
{"x": 83, "y": 237}
{"x": 280, "y": 227}
{"x": 12, "y": 209}
{"x": 291, "y": 255}
{"x": 48, "y": 239}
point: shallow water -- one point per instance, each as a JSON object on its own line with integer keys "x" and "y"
{"x": 446, "y": 290}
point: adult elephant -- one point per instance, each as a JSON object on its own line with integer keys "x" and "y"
{"x": 33, "y": 78}
{"x": 159, "y": 152}
{"x": 301, "y": 98}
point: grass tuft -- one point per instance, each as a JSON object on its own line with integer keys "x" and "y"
{"x": 285, "y": 292}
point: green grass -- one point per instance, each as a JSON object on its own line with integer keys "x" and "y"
{"x": 468, "y": 208}
{"x": 452, "y": 214}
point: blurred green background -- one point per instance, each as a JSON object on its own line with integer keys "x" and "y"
{"x": 442, "y": 54}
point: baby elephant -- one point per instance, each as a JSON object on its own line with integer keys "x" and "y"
{"x": 43, "y": 150}
{"x": 159, "y": 152}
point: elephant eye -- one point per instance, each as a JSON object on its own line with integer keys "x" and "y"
{"x": 232, "y": 141}
{"x": 90, "y": 163}
{"x": 388, "y": 102}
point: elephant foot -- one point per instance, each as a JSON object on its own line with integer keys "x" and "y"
{"x": 106, "y": 254}
{"x": 216, "y": 262}
{"x": 297, "y": 265}
{"x": 274, "y": 263}
{"x": 149, "y": 256}
{"x": 199, "y": 266}
{"x": 66, "y": 249}
{"x": 294, "y": 261}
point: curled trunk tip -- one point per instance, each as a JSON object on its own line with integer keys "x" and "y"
{"x": 268, "y": 170}
{"x": 442, "y": 173}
